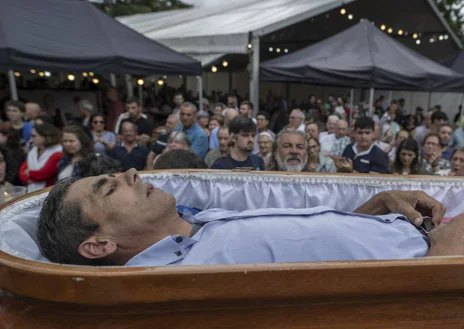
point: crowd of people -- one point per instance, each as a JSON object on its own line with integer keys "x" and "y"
{"x": 39, "y": 147}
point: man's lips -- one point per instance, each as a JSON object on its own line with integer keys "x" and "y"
{"x": 150, "y": 188}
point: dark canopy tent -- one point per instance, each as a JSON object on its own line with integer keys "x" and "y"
{"x": 362, "y": 57}
{"x": 456, "y": 62}
{"x": 75, "y": 36}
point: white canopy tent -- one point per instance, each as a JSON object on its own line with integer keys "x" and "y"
{"x": 210, "y": 31}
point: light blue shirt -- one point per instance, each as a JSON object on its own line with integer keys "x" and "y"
{"x": 213, "y": 139}
{"x": 198, "y": 138}
{"x": 457, "y": 141}
{"x": 286, "y": 235}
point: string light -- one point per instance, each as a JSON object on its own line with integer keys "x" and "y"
{"x": 33, "y": 71}
{"x": 446, "y": 37}
{"x": 160, "y": 82}
{"x": 214, "y": 69}
{"x": 140, "y": 82}
{"x": 350, "y": 16}
{"x": 47, "y": 74}
{"x": 390, "y": 30}
{"x": 17, "y": 74}
{"x": 95, "y": 81}
{"x": 180, "y": 76}
{"x": 415, "y": 36}
{"x": 41, "y": 74}
{"x": 225, "y": 63}
{"x": 84, "y": 74}
{"x": 343, "y": 11}
{"x": 440, "y": 37}
{"x": 70, "y": 77}
{"x": 271, "y": 49}
{"x": 249, "y": 46}
{"x": 91, "y": 74}
{"x": 432, "y": 40}
{"x": 285, "y": 50}
{"x": 400, "y": 32}
{"x": 383, "y": 27}
{"x": 418, "y": 42}
{"x": 278, "y": 50}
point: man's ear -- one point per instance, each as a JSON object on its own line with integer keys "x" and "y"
{"x": 97, "y": 247}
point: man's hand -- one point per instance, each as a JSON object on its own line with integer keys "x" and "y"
{"x": 412, "y": 204}
{"x": 342, "y": 164}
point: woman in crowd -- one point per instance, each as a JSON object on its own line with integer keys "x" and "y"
{"x": 215, "y": 122}
{"x": 3, "y": 168}
{"x": 316, "y": 161}
{"x": 76, "y": 146}
{"x": 400, "y": 137}
{"x": 202, "y": 120}
{"x": 10, "y": 139}
{"x": 41, "y": 166}
{"x": 266, "y": 143}
{"x": 457, "y": 164}
{"x": 103, "y": 140}
{"x": 178, "y": 140}
{"x": 407, "y": 158}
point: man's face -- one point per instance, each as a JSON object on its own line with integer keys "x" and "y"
{"x": 377, "y": 132}
{"x": 431, "y": 145}
{"x": 178, "y": 100}
{"x": 402, "y": 135}
{"x": 291, "y": 153}
{"x": 125, "y": 208}
{"x": 393, "y": 108}
{"x": 224, "y": 139}
{"x": 427, "y": 121}
{"x": 364, "y": 137}
{"x": 32, "y": 111}
{"x": 171, "y": 123}
{"x": 244, "y": 110}
{"x": 313, "y": 148}
{"x": 232, "y": 101}
{"x": 187, "y": 116}
{"x": 445, "y": 134}
{"x": 295, "y": 120}
{"x": 134, "y": 110}
{"x": 332, "y": 125}
{"x": 128, "y": 132}
{"x": 14, "y": 114}
{"x": 245, "y": 142}
{"x": 218, "y": 111}
{"x": 262, "y": 123}
{"x": 341, "y": 129}
{"x": 312, "y": 130}
{"x": 312, "y": 99}
{"x": 457, "y": 163}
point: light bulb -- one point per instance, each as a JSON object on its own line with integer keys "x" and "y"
{"x": 47, "y": 74}
{"x": 249, "y": 46}
{"x": 343, "y": 11}
{"x": 41, "y": 74}
{"x": 446, "y": 37}
{"x": 383, "y": 27}
{"x": 350, "y": 16}
{"x": 95, "y": 81}
{"x": 285, "y": 50}
{"x": 17, "y": 74}
{"x": 140, "y": 82}
{"x": 415, "y": 36}
{"x": 432, "y": 40}
{"x": 418, "y": 42}
{"x": 400, "y": 32}
{"x": 225, "y": 63}
{"x": 71, "y": 77}
{"x": 214, "y": 69}
{"x": 84, "y": 74}
{"x": 440, "y": 37}
{"x": 271, "y": 49}
{"x": 91, "y": 74}
{"x": 160, "y": 82}
{"x": 33, "y": 71}
{"x": 390, "y": 30}
{"x": 278, "y": 50}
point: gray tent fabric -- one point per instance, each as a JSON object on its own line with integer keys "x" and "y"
{"x": 362, "y": 57}
{"x": 455, "y": 62}
{"x": 75, "y": 36}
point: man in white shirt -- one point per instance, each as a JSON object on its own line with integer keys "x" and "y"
{"x": 331, "y": 126}
{"x": 328, "y": 141}
{"x": 424, "y": 129}
{"x": 296, "y": 120}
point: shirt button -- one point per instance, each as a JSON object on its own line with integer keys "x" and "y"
{"x": 179, "y": 239}
{"x": 178, "y": 253}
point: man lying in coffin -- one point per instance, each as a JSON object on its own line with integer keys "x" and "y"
{"x": 109, "y": 220}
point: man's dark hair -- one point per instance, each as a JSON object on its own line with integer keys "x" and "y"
{"x": 439, "y": 116}
{"x": 247, "y": 103}
{"x": 364, "y": 123}
{"x": 96, "y": 164}
{"x": 18, "y": 104}
{"x": 430, "y": 135}
{"x": 264, "y": 114}
{"x": 241, "y": 124}
{"x": 51, "y": 134}
{"x": 444, "y": 125}
{"x": 179, "y": 159}
{"x": 133, "y": 100}
{"x": 438, "y": 107}
{"x": 62, "y": 227}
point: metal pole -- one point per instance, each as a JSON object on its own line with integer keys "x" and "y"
{"x": 113, "y": 79}
{"x": 390, "y": 97}
{"x": 371, "y": 101}
{"x": 460, "y": 124}
{"x": 200, "y": 92}
{"x": 254, "y": 78}
{"x": 351, "y": 106}
{"x": 130, "y": 89}
{"x": 13, "y": 89}
{"x": 140, "y": 92}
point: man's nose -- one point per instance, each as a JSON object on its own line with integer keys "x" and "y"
{"x": 131, "y": 176}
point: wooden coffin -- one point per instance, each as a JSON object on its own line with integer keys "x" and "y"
{"x": 419, "y": 293}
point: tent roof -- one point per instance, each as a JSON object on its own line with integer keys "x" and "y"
{"x": 361, "y": 57}
{"x": 455, "y": 62}
{"x": 74, "y": 35}
{"x": 225, "y": 26}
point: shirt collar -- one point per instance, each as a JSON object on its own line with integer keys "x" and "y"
{"x": 355, "y": 150}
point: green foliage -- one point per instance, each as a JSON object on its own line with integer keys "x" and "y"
{"x": 452, "y": 12}
{"x": 128, "y": 7}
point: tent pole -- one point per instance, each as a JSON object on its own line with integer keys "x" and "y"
{"x": 140, "y": 92}
{"x": 130, "y": 89}
{"x": 113, "y": 79}
{"x": 200, "y": 92}
{"x": 13, "y": 89}
{"x": 351, "y": 106}
{"x": 371, "y": 101}
{"x": 429, "y": 101}
{"x": 460, "y": 124}
{"x": 390, "y": 97}
{"x": 254, "y": 78}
